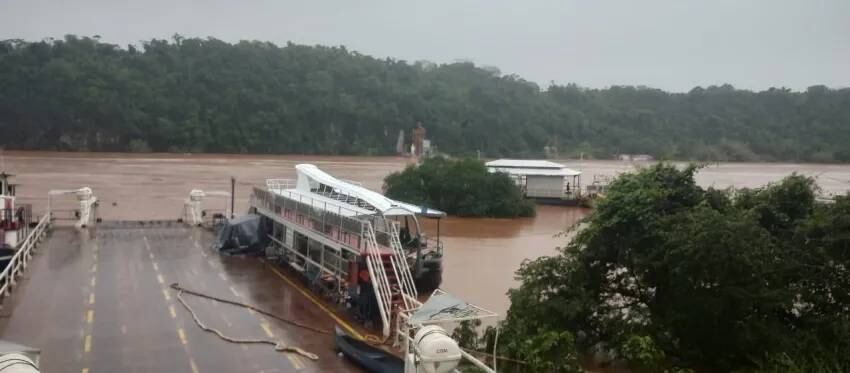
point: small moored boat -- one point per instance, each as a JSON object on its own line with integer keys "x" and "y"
{"x": 373, "y": 359}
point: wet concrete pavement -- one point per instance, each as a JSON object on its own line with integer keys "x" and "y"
{"x": 98, "y": 300}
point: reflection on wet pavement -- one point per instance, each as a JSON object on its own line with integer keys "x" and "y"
{"x": 99, "y": 300}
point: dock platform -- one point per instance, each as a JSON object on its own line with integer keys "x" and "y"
{"x": 99, "y": 300}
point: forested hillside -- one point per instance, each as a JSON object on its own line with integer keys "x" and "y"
{"x": 206, "y": 95}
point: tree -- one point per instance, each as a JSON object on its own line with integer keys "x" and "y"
{"x": 667, "y": 275}
{"x": 461, "y": 187}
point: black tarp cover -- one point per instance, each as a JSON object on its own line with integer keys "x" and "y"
{"x": 242, "y": 235}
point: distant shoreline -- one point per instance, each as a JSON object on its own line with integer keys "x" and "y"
{"x": 173, "y": 155}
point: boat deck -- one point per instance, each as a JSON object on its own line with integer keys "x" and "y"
{"x": 99, "y": 300}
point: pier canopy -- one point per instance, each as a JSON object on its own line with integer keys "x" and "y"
{"x": 530, "y": 167}
{"x": 312, "y": 182}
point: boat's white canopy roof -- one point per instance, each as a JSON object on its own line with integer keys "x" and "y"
{"x": 524, "y": 163}
{"x": 530, "y": 167}
{"x": 536, "y": 171}
{"x": 310, "y": 176}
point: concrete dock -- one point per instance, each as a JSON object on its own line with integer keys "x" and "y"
{"x": 99, "y": 300}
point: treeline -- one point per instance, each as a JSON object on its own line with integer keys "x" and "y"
{"x": 207, "y": 95}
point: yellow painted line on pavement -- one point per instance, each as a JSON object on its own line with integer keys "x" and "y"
{"x": 160, "y": 279}
{"x": 292, "y": 361}
{"x": 91, "y": 298}
{"x": 85, "y": 370}
{"x": 165, "y": 294}
{"x": 90, "y": 316}
{"x": 182, "y": 335}
{"x": 194, "y": 367}
{"x": 299, "y": 362}
{"x": 267, "y": 330}
{"x": 171, "y": 311}
{"x": 319, "y": 304}
{"x": 93, "y": 281}
{"x": 87, "y": 345}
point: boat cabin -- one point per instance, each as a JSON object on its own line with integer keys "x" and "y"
{"x": 540, "y": 179}
{"x": 349, "y": 200}
{"x": 319, "y": 217}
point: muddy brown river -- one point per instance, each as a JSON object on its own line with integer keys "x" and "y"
{"x": 481, "y": 254}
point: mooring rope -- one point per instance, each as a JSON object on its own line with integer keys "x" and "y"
{"x": 278, "y": 346}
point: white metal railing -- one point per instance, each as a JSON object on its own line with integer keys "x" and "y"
{"x": 279, "y": 185}
{"x": 22, "y": 256}
{"x": 408, "y": 286}
{"x": 552, "y": 192}
{"x": 378, "y": 275}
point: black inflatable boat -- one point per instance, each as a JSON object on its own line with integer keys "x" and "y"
{"x": 373, "y": 359}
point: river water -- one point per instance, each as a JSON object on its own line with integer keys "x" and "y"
{"x": 481, "y": 254}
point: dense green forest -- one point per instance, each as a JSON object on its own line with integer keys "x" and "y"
{"x": 207, "y": 95}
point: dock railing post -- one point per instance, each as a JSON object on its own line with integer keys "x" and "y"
{"x": 232, "y": 197}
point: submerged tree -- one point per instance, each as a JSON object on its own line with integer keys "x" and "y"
{"x": 461, "y": 187}
{"x": 666, "y": 274}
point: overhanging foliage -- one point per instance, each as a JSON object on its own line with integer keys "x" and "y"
{"x": 666, "y": 274}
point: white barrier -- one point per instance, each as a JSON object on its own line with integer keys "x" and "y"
{"x": 19, "y": 261}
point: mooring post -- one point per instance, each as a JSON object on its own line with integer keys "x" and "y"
{"x": 232, "y": 197}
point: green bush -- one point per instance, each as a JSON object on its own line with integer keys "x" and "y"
{"x": 461, "y": 187}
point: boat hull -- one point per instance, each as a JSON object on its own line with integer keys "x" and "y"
{"x": 373, "y": 359}
{"x": 430, "y": 276}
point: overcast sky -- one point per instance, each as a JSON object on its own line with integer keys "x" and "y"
{"x": 674, "y": 45}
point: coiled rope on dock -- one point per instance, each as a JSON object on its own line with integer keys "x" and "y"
{"x": 278, "y": 345}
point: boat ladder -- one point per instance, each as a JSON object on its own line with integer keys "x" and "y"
{"x": 402, "y": 269}
{"x": 378, "y": 276}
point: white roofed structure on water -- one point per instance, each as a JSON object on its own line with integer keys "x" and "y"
{"x": 540, "y": 179}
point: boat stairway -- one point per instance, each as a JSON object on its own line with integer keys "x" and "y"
{"x": 392, "y": 279}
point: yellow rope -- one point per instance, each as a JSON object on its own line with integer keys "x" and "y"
{"x": 373, "y": 339}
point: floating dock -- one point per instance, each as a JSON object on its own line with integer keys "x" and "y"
{"x": 99, "y": 300}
